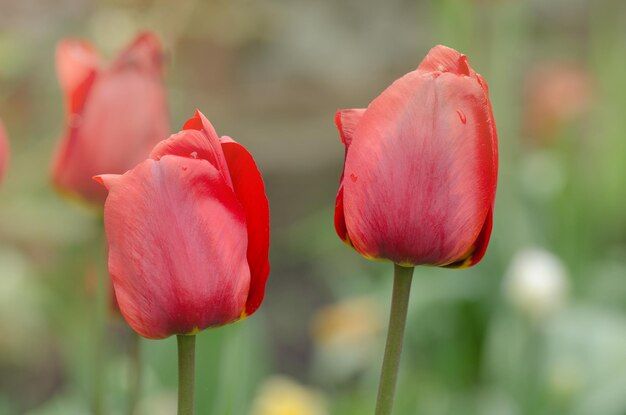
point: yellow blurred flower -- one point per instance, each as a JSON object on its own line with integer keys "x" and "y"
{"x": 346, "y": 323}
{"x": 283, "y": 396}
{"x": 346, "y": 336}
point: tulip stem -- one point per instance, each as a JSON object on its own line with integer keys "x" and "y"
{"x": 100, "y": 336}
{"x": 134, "y": 372}
{"x": 393, "y": 349}
{"x": 186, "y": 373}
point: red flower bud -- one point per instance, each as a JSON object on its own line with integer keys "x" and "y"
{"x": 419, "y": 177}
{"x": 114, "y": 116}
{"x": 188, "y": 234}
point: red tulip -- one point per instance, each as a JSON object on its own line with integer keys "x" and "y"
{"x": 420, "y": 171}
{"x": 188, "y": 234}
{"x": 4, "y": 151}
{"x": 114, "y": 116}
{"x": 556, "y": 94}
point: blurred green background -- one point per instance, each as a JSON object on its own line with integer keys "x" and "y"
{"x": 539, "y": 331}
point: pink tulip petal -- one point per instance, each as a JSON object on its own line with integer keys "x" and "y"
{"x": 144, "y": 54}
{"x": 107, "y": 180}
{"x": 492, "y": 127}
{"x": 444, "y": 59}
{"x": 340, "y": 218}
{"x": 4, "y": 151}
{"x": 198, "y": 139}
{"x": 423, "y": 196}
{"x": 346, "y": 121}
{"x": 214, "y": 152}
{"x": 187, "y": 143}
{"x": 77, "y": 66}
{"x": 478, "y": 249}
{"x": 250, "y": 190}
{"x": 124, "y": 116}
{"x": 177, "y": 240}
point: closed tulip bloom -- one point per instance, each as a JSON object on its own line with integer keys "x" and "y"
{"x": 114, "y": 115}
{"x": 4, "y": 151}
{"x": 188, "y": 234}
{"x": 420, "y": 170}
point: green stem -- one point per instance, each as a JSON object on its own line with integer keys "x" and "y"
{"x": 100, "y": 335}
{"x": 134, "y": 373}
{"x": 186, "y": 373}
{"x": 393, "y": 349}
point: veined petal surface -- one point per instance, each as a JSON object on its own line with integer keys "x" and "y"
{"x": 177, "y": 238}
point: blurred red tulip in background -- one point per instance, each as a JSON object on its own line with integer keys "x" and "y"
{"x": 115, "y": 115}
{"x": 188, "y": 234}
{"x": 555, "y": 94}
{"x": 4, "y": 151}
{"x": 421, "y": 164}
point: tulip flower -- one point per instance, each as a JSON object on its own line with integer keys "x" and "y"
{"x": 188, "y": 236}
{"x": 4, "y": 151}
{"x": 114, "y": 115}
{"x": 419, "y": 179}
{"x": 420, "y": 170}
{"x": 556, "y": 94}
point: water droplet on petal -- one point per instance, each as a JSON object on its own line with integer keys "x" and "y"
{"x": 353, "y": 177}
{"x": 462, "y": 116}
{"x": 194, "y": 154}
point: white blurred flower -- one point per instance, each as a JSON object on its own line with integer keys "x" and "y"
{"x": 536, "y": 283}
{"x": 283, "y": 396}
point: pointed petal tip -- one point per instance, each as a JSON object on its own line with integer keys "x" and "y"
{"x": 144, "y": 52}
{"x": 346, "y": 121}
{"x": 200, "y": 122}
{"x": 74, "y": 45}
{"x": 149, "y": 41}
{"x": 445, "y": 59}
{"x": 107, "y": 180}
{"x": 77, "y": 62}
{"x": 194, "y": 123}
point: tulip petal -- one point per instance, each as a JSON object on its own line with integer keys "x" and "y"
{"x": 477, "y": 251}
{"x": 250, "y": 190}
{"x": 4, "y": 151}
{"x": 107, "y": 180}
{"x": 421, "y": 198}
{"x": 444, "y": 59}
{"x": 340, "y": 218}
{"x": 201, "y": 123}
{"x": 144, "y": 54}
{"x": 492, "y": 127}
{"x": 346, "y": 121}
{"x": 124, "y": 117}
{"x": 189, "y": 144}
{"x": 77, "y": 66}
{"x": 177, "y": 247}
{"x": 199, "y": 140}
